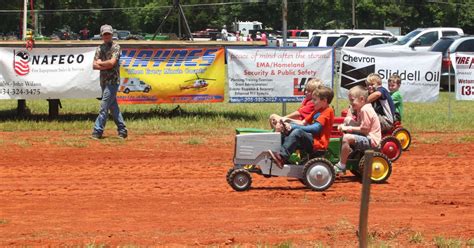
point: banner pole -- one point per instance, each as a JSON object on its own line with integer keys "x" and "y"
{"x": 334, "y": 77}
{"x": 449, "y": 86}
{"x": 284, "y": 12}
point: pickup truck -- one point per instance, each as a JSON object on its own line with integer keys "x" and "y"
{"x": 420, "y": 39}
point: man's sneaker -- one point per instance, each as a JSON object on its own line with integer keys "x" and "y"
{"x": 96, "y": 136}
{"x": 339, "y": 170}
{"x": 123, "y": 135}
{"x": 277, "y": 158}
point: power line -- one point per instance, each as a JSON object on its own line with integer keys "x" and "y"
{"x": 130, "y": 8}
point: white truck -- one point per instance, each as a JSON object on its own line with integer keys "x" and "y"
{"x": 245, "y": 27}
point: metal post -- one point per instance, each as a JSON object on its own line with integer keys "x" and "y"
{"x": 284, "y": 12}
{"x": 186, "y": 25}
{"x": 21, "y": 107}
{"x": 365, "y": 198}
{"x": 25, "y": 16}
{"x": 54, "y": 105}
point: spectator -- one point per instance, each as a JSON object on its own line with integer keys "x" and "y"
{"x": 224, "y": 33}
{"x": 106, "y": 60}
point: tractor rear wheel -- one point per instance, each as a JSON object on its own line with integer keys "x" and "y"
{"x": 403, "y": 136}
{"x": 381, "y": 167}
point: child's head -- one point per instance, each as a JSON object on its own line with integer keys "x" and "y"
{"x": 311, "y": 85}
{"x": 394, "y": 82}
{"x": 357, "y": 97}
{"x": 322, "y": 97}
{"x": 373, "y": 82}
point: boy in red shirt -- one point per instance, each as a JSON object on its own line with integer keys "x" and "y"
{"x": 312, "y": 133}
{"x": 306, "y": 108}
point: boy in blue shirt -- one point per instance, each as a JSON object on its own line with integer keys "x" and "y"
{"x": 381, "y": 101}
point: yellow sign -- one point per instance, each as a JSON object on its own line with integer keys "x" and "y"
{"x": 171, "y": 75}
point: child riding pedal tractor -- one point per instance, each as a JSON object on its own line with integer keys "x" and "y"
{"x": 270, "y": 154}
{"x": 361, "y": 131}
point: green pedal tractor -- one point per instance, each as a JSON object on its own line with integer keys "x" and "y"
{"x": 315, "y": 171}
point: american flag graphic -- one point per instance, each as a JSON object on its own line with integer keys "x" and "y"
{"x": 21, "y": 63}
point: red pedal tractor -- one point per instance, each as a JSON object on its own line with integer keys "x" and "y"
{"x": 391, "y": 144}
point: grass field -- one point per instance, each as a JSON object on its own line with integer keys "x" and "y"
{"x": 79, "y": 114}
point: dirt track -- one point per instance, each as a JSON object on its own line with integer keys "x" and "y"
{"x": 164, "y": 190}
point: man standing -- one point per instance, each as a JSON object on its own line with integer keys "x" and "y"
{"x": 106, "y": 60}
{"x": 224, "y": 33}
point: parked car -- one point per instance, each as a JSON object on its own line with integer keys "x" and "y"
{"x": 329, "y": 37}
{"x": 357, "y": 41}
{"x": 323, "y": 40}
{"x": 420, "y": 39}
{"x": 450, "y": 45}
{"x": 302, "y": 38}
{"x": 361, "y": 40}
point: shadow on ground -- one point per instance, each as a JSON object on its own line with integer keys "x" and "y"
{"x": 178, "y": 112}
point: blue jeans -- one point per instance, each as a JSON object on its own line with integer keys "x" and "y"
{"x": 109, "y": 102}
{"x": 297, "y": 139}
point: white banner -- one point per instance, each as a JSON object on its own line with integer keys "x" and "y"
{"x": 275, "y": 74}
{"x": 48, "y": 73}
{"x": 464, "y": 69}
{"x": 420, "y": 71}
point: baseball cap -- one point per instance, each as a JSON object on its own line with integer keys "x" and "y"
{"x": 106, "y": 29}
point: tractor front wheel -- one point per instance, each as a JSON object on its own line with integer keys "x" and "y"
{"x": 239, "y": 179}
{"x": 391, "y": 147}
{"x": 319, "y": 174}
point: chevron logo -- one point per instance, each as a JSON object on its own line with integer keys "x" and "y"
{"x": 351, "y": 76}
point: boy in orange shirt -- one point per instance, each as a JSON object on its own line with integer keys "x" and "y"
{"x": 312, "y": 133}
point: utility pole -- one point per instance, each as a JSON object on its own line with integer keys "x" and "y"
{"x": 353, "y": 15}
{"x": 25, "y": 12}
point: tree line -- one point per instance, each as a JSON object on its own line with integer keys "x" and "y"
{"x": 144, "y": 16}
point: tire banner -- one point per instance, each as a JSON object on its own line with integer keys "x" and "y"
{"x": 48, "y": 73}
{"x": 275, "y": 74}
{"x": 171, "y": 75}
{"x": 464, "y": 69}
{"x": 420, "y": 71}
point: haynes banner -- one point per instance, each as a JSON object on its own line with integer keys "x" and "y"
{"x": 48, "y": 73}
{"x": 276, "y": 75}
{"x": 174, "y": 75}
{"x": 420, "y": 72}
{"x": 464, "y": 69}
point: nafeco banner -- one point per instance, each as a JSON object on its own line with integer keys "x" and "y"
{"x": 171, "y": 75}
{"x": 420, "y": 71}
{"x": 275, "y": 75}
{"x": 48, "y": 73}
{"x": 464, "y": 69}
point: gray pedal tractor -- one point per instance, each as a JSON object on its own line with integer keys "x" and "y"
{"x": 251, "y": 157}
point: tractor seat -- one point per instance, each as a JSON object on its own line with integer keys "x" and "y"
{"x": 318, "y": 153}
